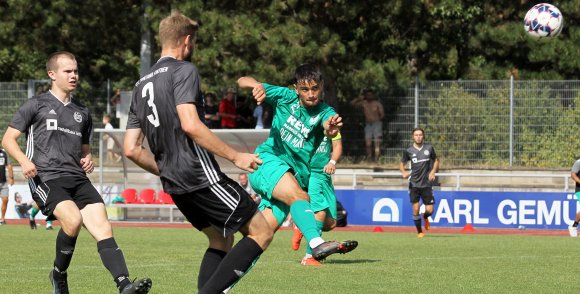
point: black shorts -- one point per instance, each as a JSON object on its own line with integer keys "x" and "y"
{"x": 224, "y": 205}
{"x": 52, "y": 192}
{"x": 425, "y": 194}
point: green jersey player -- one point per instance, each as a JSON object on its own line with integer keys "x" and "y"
{"x": 299, "y": 125}
{"x": 321, "y": 192}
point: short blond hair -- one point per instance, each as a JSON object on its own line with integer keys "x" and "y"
{"x": 51, "y": 61}
{"x": 174, "y": 27}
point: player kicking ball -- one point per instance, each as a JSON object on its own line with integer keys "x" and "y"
{"x": 300, "y": 123}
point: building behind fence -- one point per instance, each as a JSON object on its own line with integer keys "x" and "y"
{"x": 472, "y": 124}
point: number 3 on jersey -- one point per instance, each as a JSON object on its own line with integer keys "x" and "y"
{"x": 148, "y": 92}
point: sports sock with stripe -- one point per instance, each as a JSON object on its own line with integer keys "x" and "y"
{"x": 210, "y": 262}
{"x": 234, "y": 266}
{"x": 303, "y": 217}
{"x": 65, "y": 247}
{"x": 319, "y": 226}
{"x": 114, "y": 261}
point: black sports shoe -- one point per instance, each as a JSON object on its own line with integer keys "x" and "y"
{"x": 140, "y": 286}
{"x": 325, "y": 249}
{"x": 32, "y": 225}
{"x": 60, "y": 285}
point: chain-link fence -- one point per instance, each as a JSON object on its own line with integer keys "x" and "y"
{"x": 484, "y": 124}
{"x": 471, "y": 124}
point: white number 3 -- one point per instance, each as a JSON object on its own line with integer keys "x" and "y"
{"x": 148, "y": 92}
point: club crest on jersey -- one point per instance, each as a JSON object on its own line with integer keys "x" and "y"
{"x": 426, "y": 152}
{"x": 78, "y": 117}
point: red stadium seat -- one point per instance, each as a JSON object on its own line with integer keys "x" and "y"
{"x": 146, "y": 196}
{"x": 130, "y": 195}
{"x": 164, "y": 198}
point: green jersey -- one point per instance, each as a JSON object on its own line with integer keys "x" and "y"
{"x": 296, "y": 131}
{"x": 322, "y": 155}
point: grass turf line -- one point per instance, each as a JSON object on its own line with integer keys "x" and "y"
{"x": 383, "y": 263}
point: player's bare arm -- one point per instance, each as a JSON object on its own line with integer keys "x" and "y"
{"x": 258, "y": 90}
{"x": 11, "y": 146}
{"x": 87, "y": 159}
{"x": 198, "y": 132}
{"x": 434, "y": 170}
{"x": 330, "y": 167}
{"x": 404, "y": 172}
{"x": 134, "y": 150}
{"x": 575, "y": 177}
{"x": 10, "y": 174}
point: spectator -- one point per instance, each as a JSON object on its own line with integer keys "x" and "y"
{"x": 212, "y": 118}
{"x": 116, "y": 99}
{"x": 258, "y": 117}
{"x": 267, "y": 115}
{"x": 374, "y": 114}
{"x": 245, "y": 119}
{"x": 5, "y": 174}
{"x": 227, "y": 110}
{"x": 243, "y": 180}
{"x": 109, "y": 140}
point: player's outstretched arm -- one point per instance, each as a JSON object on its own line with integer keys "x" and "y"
{"x": 11, "y": 146}
{"x": 198, "y": 132}
{"x": 258, "y": 90}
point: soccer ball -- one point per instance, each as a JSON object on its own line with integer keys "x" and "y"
{"x": 543, "y": 21}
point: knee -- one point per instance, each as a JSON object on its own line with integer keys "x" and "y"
{"x": 264, "y": 238}
{"x": 301, "y": 195}
{"x": 71, "y": 225}
{"x": 329, "y": 225}
{"x": 221, "y": 243}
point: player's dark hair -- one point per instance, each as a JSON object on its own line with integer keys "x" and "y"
{"x": 307, "y": 72}
{"x": 52, "y": 58}
{"x": 418, "y": 129}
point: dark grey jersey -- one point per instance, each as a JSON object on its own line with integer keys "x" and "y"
{"x": 55, "y": 134}
{"x": 422, "y": 161}
{"x": 184, "y": 166}
{"x": 4, "y": 161}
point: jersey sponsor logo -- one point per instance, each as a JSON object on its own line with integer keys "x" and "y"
{"x": 78, "y": 117}
{"x": 391, "y": 211}
{"x": 51, "y": 124}
{"x": 415, "y": 160}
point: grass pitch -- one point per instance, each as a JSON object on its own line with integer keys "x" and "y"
{"x": 383, "y": 263}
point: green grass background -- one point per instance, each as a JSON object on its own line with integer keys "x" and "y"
{"x": 383, "y": 263}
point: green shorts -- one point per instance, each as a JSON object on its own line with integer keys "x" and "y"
{"x": 265, "y": 178}
{"x": 321, "y": 192}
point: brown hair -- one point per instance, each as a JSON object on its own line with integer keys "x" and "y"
{"x": 51, "y": 64}
{"x": 418, "y": 129}
{"x": 174, "y": 27}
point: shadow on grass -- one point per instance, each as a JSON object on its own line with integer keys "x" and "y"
{"x": 351, "y": 261}
{"x": 430, "y": 236}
